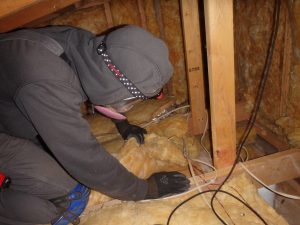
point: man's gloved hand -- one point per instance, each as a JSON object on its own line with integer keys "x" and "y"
{"x": 128, "y": 130}
{"x": 166, "y": 183}
{"x": 75, "y": 202}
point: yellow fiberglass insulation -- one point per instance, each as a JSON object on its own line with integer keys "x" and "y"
{"x": 163, "y": 146}
{"x": 195, "y": 212}
{"x": 156, "y": 155}
{"x": 162, "y": 151}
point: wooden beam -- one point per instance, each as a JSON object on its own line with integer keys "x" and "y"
{"x": 142, "y": 13}
{"x": 37, "y": 9}
{"x": 271, "y": 169}
{"x": 162, "y": 34}
{"x": 279, "y": 143}
{"x": 159, "y": 19}
{"x": 85, "y": 4}
{"x": 9, "y": 6}
{"x": 194, "y": 66}
{"x": 240, "y": 112}
{"x": 108, "y": 15}
{"x": 286, "y": 65}
{"x": 220, "y": 54}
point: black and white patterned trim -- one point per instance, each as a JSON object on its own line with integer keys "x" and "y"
{"x": 101, "y": 50}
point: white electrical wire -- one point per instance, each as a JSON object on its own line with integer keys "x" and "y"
{"x": 199, "y": 188}
{"x": 156, "y": 119}
{"x": 207, "y": 151}
{"x": 203, "y": 136}
{"x": 205, "y": 163}
{"x": 247, "y": 154}
{"x": 197, "y": 185}
{"x": 211, "y": 181}
{"x": 295, "y": 197}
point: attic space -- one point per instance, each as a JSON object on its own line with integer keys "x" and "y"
{"x": 228, "y": 118}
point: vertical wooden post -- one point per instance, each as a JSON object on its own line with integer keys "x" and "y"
{"x": 194, "y": 66}
{"x": 162, "y": 34}
{"x": 142, "y": 13}
{"x": 108, "y": 14}
{"x": 286, "y": 67}
{"x": 220, "y": 53}
{"x": 159, "y": 19}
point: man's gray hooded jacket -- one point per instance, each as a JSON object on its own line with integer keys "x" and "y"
{"x": 45, "y": 76}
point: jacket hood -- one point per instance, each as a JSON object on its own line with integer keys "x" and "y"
{"x": 141, "y": 57}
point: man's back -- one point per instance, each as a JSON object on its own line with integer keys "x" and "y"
{"x": 28, "y": 59}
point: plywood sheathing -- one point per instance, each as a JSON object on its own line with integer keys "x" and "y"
{"x": 194, "y": 212}
{"x": 127, "y": 12}
{"x": 280, "y": 110}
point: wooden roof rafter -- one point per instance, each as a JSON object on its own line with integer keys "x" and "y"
{"x": 24, "y": 13}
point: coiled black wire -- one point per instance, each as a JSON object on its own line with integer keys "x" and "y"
{"x": 207, "y": 191}
{"x": 250, "y": 124}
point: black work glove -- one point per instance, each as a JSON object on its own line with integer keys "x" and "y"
{"x": 128, "y": 130}
{"x": 166, "y": 183}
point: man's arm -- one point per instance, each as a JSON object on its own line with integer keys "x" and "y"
{"x": 54, "y": 110}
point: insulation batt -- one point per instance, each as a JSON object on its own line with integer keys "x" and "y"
{"x": 156, "y": 155}
{"x": 162, "y": 151}
{"x": 195, "y": 212}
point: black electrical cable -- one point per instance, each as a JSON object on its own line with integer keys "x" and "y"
{"x": 250, "y": 124}
{"x": 207, "y": 191}
{"x": 258, "y": 99}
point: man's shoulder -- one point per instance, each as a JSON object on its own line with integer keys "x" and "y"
{"x": 69, "y": 31}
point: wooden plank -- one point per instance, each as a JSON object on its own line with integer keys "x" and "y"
{"x": 220, "y": 54}
{"x": 91, "y": 3}
{"x": 108, "y": 15}
{"x": 286, "y": 66}
{"x": 84, "y": 4}
{"x": 159, "y": 19}
{"x": 45, "y": 20}
{"x": 9, "y": 6}
{"x": 240, "y": 112}
{"x": 271, "y": 169}
{"x": 34, "y": 11}
{"x": 288, "y": 208}
{"x": 194, "y": 66}
{"x": 271, "y": 138}
{"x": 162, "y": 34}
{"x": 142, "y": 13}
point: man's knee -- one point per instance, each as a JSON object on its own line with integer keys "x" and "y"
{"x": 32, "y": 170}
{"x": 21, "y": 208}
